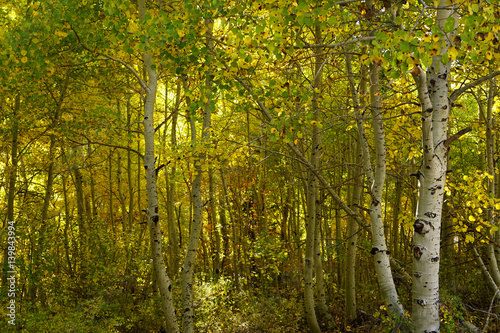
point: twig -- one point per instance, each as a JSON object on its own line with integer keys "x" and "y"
{"x": 489, "y": 311}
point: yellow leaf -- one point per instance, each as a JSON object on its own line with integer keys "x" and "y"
{"x": 469, "y": 239}
{"x": 296, "y": 142}
{"x": 273, "y": 130}
{"x": 24, "y": 60}
{"x": 472, "y": 218}
{"x": 489, "y": 55}
{"x": 478, "y": 228}
{"x": 453, "y": 52}
{"x": 497, "y": 206}
{"x": 23, "y": 52}
{"x": 247, "y": 40}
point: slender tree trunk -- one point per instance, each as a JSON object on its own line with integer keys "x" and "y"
{"x": 78, "y": 180}
{"x": 110, "y": 180}
{"x": 213, "y": 220}
{"x": 152, "y": 212}
{"x": 395, "y": 218}
{"x": 197, "y": 221}
{"x": 376, "y": 180}
{"x": 352, "y": 227}
{"x": 491, "y": 166}
{"x": 322, "y": 307}
{"x": 309, "y": 303}
{"x": 339, "y": 246}
{"x": 352, "y": 240}
{"x": 120, "y": 192}
{"x": 129, "y": 172}
{"x": 236, "y": 252}
{"x": 12, "y": 176}
{"x": 173, "y": 243}
{"x": 311, "y": 200}
{"x": 323, "y": 311}
{"x": 67, "y": 223}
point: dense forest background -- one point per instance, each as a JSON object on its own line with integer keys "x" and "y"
{"x": 249, "y": 166}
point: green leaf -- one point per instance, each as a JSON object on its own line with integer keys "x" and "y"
{"x": 445, "y": 58}
{"x": 404, "y": 46}
{"x": 475, "y": 7}
{"x": 383, "y": 37}
{"x": 449, "y": 25}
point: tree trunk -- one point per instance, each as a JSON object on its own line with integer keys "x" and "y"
{"x": 197, "y": 221}
{"x": 129, "y": 172}
{"x": 376, "y": 180}
{"x": 433, "y": 95}
{"x": 311, "y": 200}
{"x": 395, "y": 218}
{"x": 215, "y": 229}
{"x": 173, "y": 243}
{"x": 12, "y": 176}
{"x": 152, "y": 213}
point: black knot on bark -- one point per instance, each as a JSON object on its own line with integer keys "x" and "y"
{"x": 421, "y": 302}
{"x": 417, "y": 252}
{"x": 418, "y": 226}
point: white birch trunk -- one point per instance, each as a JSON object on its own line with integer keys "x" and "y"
{"x": 153, "y": 217}
{"x": 433, "y": 95}
{"x": 376, "y": 180}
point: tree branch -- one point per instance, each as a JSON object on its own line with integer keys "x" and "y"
{"x": 456, "y": 136}
{"x": 105, "y": 144}
{"x": 461, "y": 90}
{"x": 131, "y": 69}
{"x": 334, "y": 46}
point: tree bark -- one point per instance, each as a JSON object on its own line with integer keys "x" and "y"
{"x": 152, "y": 211}
{"x": 375, "y": 181}
{"x": 197, "y": 221}
{"x": 433, "y": 95}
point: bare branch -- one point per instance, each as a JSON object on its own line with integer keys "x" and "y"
{"x": 460, "y": 91}
{"x": 456, "y": 136}
{"x": 105, "y": 144}
{"x": 131, "y": 69}
{"x": 342, "y": 44}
